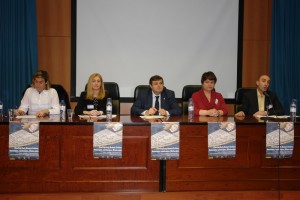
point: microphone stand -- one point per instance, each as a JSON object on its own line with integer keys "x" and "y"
{"x": 278, "y": 162}
{"x": 271, "y": 104}
{"x": 279, "y": 145}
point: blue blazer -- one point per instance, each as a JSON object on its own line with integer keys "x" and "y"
{"x": 144, "y": 102}
{"x": 250, "y": 103}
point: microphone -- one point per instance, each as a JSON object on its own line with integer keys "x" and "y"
{"x": 266, "y": 94}
{"x": 271, "y": 104}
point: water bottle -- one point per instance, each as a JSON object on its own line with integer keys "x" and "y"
{"x": 1, "y": 109}
{"x": 62, "y": 109}
{"x": 293, "y": 109}
{"x": 109, "y": 109}
{"x": 191, "y": 109}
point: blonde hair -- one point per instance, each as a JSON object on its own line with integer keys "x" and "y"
{"x": 89, "y": 89}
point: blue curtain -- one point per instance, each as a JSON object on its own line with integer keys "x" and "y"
{"x": 285, "y": 51}
{"x": 18, "y": 49}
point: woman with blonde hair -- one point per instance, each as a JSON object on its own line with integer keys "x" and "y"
{"x": 93, "y": 100}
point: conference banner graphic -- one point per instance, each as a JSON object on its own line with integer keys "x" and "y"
{"x": 24, "y": 140}
{"x": 108, "y": 140}
{"x": 279, "y": 139}
{"x": 165, "y": 141}
{"x": 221, "y": 140}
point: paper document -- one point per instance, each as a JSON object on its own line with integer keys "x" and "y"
{"x": 152, "y": 117}
{"x": 95, "y": 116}
{"x": 274, "y": 116}
{"x": 25, "y": 116}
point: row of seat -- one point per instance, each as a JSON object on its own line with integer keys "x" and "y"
{"x": 187, "y": 92}
{"x": 113, "y": 92}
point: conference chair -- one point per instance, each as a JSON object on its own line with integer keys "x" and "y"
{"x": 62, "y": 94}
{"x": 239, "y": 93}
{"x": 138, "y": 89}
{"x": 187, "y": 93}
{"x": 112, "y": 90}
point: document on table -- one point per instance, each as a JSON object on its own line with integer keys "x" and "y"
{"x": 152, "y": 117}
{"x": 95, "y": 116}
{"x": 25, "y": 116}
{"x": 275, "y": 116}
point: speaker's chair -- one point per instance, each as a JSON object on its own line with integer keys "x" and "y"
{"x": 239, "y": 93}
{"x": 138, "y": 89}
{"x": 62, "y": 94}
{"x": 112, "y": 90}
{"x": 187, "y": 93}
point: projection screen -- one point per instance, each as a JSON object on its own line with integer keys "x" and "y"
{"x": 128, "y": 41}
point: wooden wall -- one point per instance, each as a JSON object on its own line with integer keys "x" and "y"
{"x": 54, "y": 42}
{"x": 256, "y": 41}
{"x": 54, "y": 39}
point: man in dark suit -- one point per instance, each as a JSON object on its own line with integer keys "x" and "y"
{"x": 158, "y": 100}
{"x": 260, "y": 102}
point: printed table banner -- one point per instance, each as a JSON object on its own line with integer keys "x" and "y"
{"x": 107, "y": 140}
{"x": 279, "y": 139}
{"x": 165, "y": 141}
{"x": 24, "y": 140}
{"x": 221, "y": 140}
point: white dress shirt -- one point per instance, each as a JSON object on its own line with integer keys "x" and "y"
{"x": 33, "y": 101}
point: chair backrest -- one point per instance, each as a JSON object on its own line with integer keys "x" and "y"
{"x": 187, "y": 93}
{"x": 62, "y": 94}
{"x": 112, "y": 89}
{"x": 139, "y": 89}
{"x": 239, "y": 93}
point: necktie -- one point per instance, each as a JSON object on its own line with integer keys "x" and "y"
{"x": 157, "y": 104}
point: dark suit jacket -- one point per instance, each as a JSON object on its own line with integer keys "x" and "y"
{"x": 144, "y": 102}
{"x": 250, "y": 103}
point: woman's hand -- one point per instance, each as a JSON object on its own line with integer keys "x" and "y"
{"x": 213, "y": 113}
{"x": 95, "y": 112}
{"x": 19, "y": 112}
{"x": 42, "y": 113}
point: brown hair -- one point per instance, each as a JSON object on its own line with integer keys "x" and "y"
{"x": 208, "y": 76}
{"x": 44, "y": 75}
{"x": 155, "y": 78}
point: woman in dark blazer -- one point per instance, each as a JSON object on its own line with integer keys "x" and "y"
{"x": 93, "y": 100}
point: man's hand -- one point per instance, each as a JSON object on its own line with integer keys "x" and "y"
{"x": 240, "y": 114}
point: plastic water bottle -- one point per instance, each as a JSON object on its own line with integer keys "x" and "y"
{"x": 191, "y": 109}
{"x": 109, "y": 109}
{"x": 62, "y": 109}
{"x": 1, "y": 109}
{"x": 293, "y": 109}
